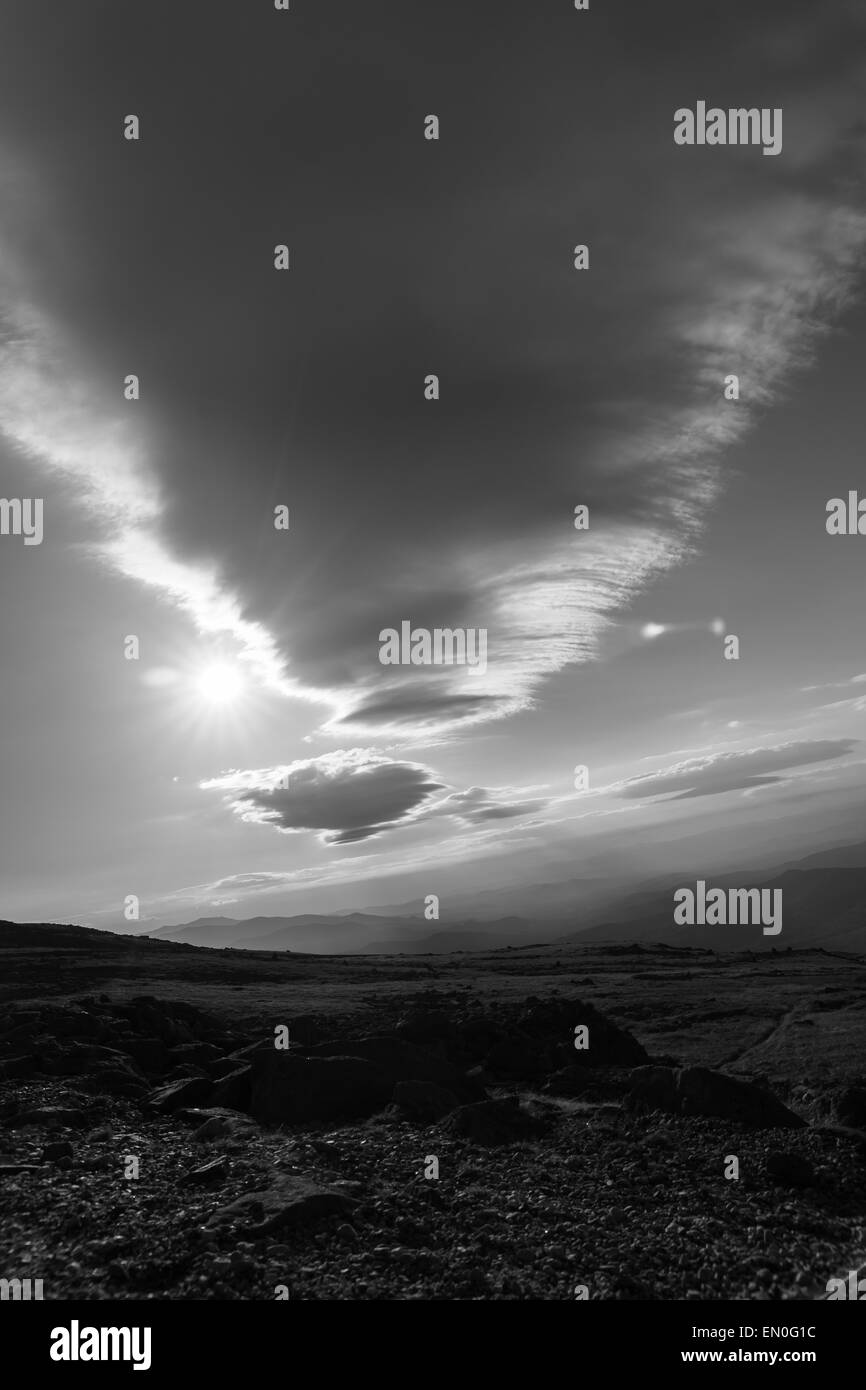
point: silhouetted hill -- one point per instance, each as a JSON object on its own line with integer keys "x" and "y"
{"x": 60, "y": 934}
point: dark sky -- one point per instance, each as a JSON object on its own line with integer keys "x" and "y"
{"x": 305, "y": 388}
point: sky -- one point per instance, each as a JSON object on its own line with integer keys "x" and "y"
{"x": 258, "y": 648}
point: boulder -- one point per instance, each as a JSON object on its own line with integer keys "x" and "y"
{"x": 712, "y": 1094}
{"x": 554, "y": 1021}
{"x": 61, "y": 1148}
{"x": 223, "y": 1127}
{"x": 569, "y": 1081}
{"x": 150, "y": 1018}
{"x": 69, "y": 1021}
{"x": 653, "y": 1088}
{"x": 289, "y": 1089}
{"x": 492, "y": 1122}
{"x": 292, "y": 1201}
{"x": 113, "y": 1081}
{"x": 183, "y": 1070}
{"x": 474, "y": 1038}
{"x": 402, "y": 1061}
{"x": 222, "y": 1066}
{"x": 850, "y": 1107}
{"x": 197, "y": 1115}
{"x": 424, "y": 1100}
{"x": 234, "y": 1091}
{"x": 215, "y": 1170}
{"x": 77, "y": 1059}
{"x": 151, "y": 1054}
{"x": 193, "y": 1090}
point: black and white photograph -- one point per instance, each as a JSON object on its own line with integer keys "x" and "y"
{"x": 433, "y": 662}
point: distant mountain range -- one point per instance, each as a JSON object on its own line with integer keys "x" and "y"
{"x": 357, "y": 933}
{"x": 557, "y": 900}
{"x": 823, "y": 904}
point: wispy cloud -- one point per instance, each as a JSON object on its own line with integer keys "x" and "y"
{"x": 729, "y": 274}
{"x": 717, "y": 773}
{"x": 63, "y": 422}
{"x": 836, "y": 685}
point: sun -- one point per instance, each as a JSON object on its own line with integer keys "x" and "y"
{"x": 220, "y": 684}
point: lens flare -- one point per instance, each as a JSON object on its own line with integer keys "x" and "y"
{"x": 220, "y": 684}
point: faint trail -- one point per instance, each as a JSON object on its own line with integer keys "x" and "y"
{"x": 781, "y": 1022}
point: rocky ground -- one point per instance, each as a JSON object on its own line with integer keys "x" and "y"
{"x": 430, "y": 1131}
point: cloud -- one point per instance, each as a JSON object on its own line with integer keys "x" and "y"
{"x": 253, "y": 884}
{"x": 357, "y": 794}
{"x": 418, "y": 706}
{"x": 855, "y": 705}
{"x": 57, "y": 418}
{"x": 478, "y": 804}
{"x": 725, "y": 772}
{"x": 351, "y": 793}
{"x": 558, "y": 387}
{"x": 836, "y": 685}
